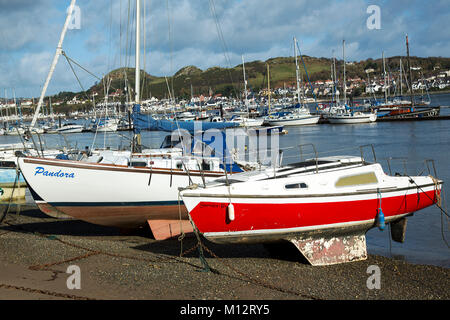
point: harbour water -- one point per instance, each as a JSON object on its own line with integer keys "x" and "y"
{"x": 415, "y": 141}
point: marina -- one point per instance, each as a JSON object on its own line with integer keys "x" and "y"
{"x": 404, "y": 149}
{"x": 259, "y": 192}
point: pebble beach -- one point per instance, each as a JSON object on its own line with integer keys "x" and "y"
{"x": 36, "y": 251}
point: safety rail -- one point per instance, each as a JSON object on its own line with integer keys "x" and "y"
{"x": 361, "y": 149}
{"x": 315, "y": 153}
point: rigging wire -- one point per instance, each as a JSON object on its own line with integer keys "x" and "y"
{"x": 223, "y": 43}
{"x": 170, "y": 35}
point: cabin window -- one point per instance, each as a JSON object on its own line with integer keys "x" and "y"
{"x": 357, "y": 179}
{"x": 300, "y": 185}
{"x": 179, "y": 165}
{"x": 206, "y": 165}
{"x": 138, "y": 164}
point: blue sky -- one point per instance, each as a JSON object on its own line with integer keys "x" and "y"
{"x": 184, "y": 32}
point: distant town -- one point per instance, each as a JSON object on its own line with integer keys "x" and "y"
{"x": 376, "y": 84}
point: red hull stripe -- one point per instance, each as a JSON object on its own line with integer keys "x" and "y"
{"x": 212, "y": 216}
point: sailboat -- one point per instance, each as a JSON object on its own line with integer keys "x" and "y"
{"x": 302, "y": 115}
{"x": 247, "y": 121}
{"x": 141, "y": 190}
{"x": 324, "y": 206}
{"x": 344, "y": 114}
{"x": 405, "y": 109}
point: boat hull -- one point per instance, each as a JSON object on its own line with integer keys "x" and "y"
{"x": 109, "y": 195}
{"x": 124, "y": 215}
{"x": 11, "y": 187}
{"x": 252, "y": 123}
{"x": 301, "y": 218}
{"x": 342, "y": 119}
{"x": 69, "y": 130}
{"x": 294, "y": 122}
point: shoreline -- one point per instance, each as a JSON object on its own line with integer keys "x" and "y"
{"x": 35, "y": 251}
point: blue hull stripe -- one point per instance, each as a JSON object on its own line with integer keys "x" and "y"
{"x": 114, "y": 204}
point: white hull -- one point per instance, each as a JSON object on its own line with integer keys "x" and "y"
{"x": 253, "y": 122}
{"x": 105, "y": 194}
{"x": 349, "y": 119}
{"x": 75, "y": 129}
{"x": 108, "y": 128}
{"x": 249, "y": 122}
{"x": 294, "y": 122}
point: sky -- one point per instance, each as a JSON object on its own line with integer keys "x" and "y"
{"x": 204, "y": 33}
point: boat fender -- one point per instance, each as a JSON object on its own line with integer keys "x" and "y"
{"x": 230, "y": 212}
{"x": 381, "y": 223}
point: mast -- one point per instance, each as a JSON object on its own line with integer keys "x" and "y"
{"x": 268, "y": 84}
{"x": 410, "y": 73}
{"x": 136, "y": 144}
{"x": 345, "y": 85}
{"x": 332, "y": 80}
{"x": 54, "y": 63}
{"x": 335, "y": 80}
{"x": 297, "y": 71}
{"x": 401, "y": 79}
{"x": 384, "y": 76}
{"x": 245, "y": 86}
{"x": 138, "y": 54}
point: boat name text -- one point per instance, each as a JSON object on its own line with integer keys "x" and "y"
{"x": 59, "y": 174}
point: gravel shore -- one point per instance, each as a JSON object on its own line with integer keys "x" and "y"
{"x": 36, "y": 250}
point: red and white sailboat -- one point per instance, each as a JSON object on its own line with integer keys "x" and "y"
{"x": 323, "y": 206}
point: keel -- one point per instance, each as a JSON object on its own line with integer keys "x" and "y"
{"x": 166, "y": 229}
{"x": 332, "y": 250}
{"x": 398, "y": 230}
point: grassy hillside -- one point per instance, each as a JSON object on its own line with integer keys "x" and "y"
{"x": 229, "y": 81}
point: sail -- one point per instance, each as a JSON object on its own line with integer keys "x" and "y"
{"x": 147, "y": 122}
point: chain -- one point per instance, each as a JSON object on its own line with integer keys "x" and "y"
{"x": 46, "y": 266}
{"x": 46, "y": 292}
{"x": 258, "y": 281}
{"x": 92, "y": 252}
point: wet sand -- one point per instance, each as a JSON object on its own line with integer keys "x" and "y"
{"x": 36, "y": 250}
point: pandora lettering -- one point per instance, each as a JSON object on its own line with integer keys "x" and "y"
{"x": 59, "y": 174}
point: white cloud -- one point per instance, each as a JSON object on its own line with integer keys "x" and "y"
{"x": 258, "y": 29}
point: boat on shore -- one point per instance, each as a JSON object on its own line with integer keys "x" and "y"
{"x": 127, "y": 189}
{"x": 324, "y": 206}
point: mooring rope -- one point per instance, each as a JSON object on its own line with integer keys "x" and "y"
{"x": 6, "y": 211}
{"x": 438, "y": 202}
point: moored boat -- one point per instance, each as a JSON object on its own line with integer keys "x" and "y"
{"x": 70, "y": 128}
{"x": 349, "y": 117}
{"x": 296, "y": 118}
